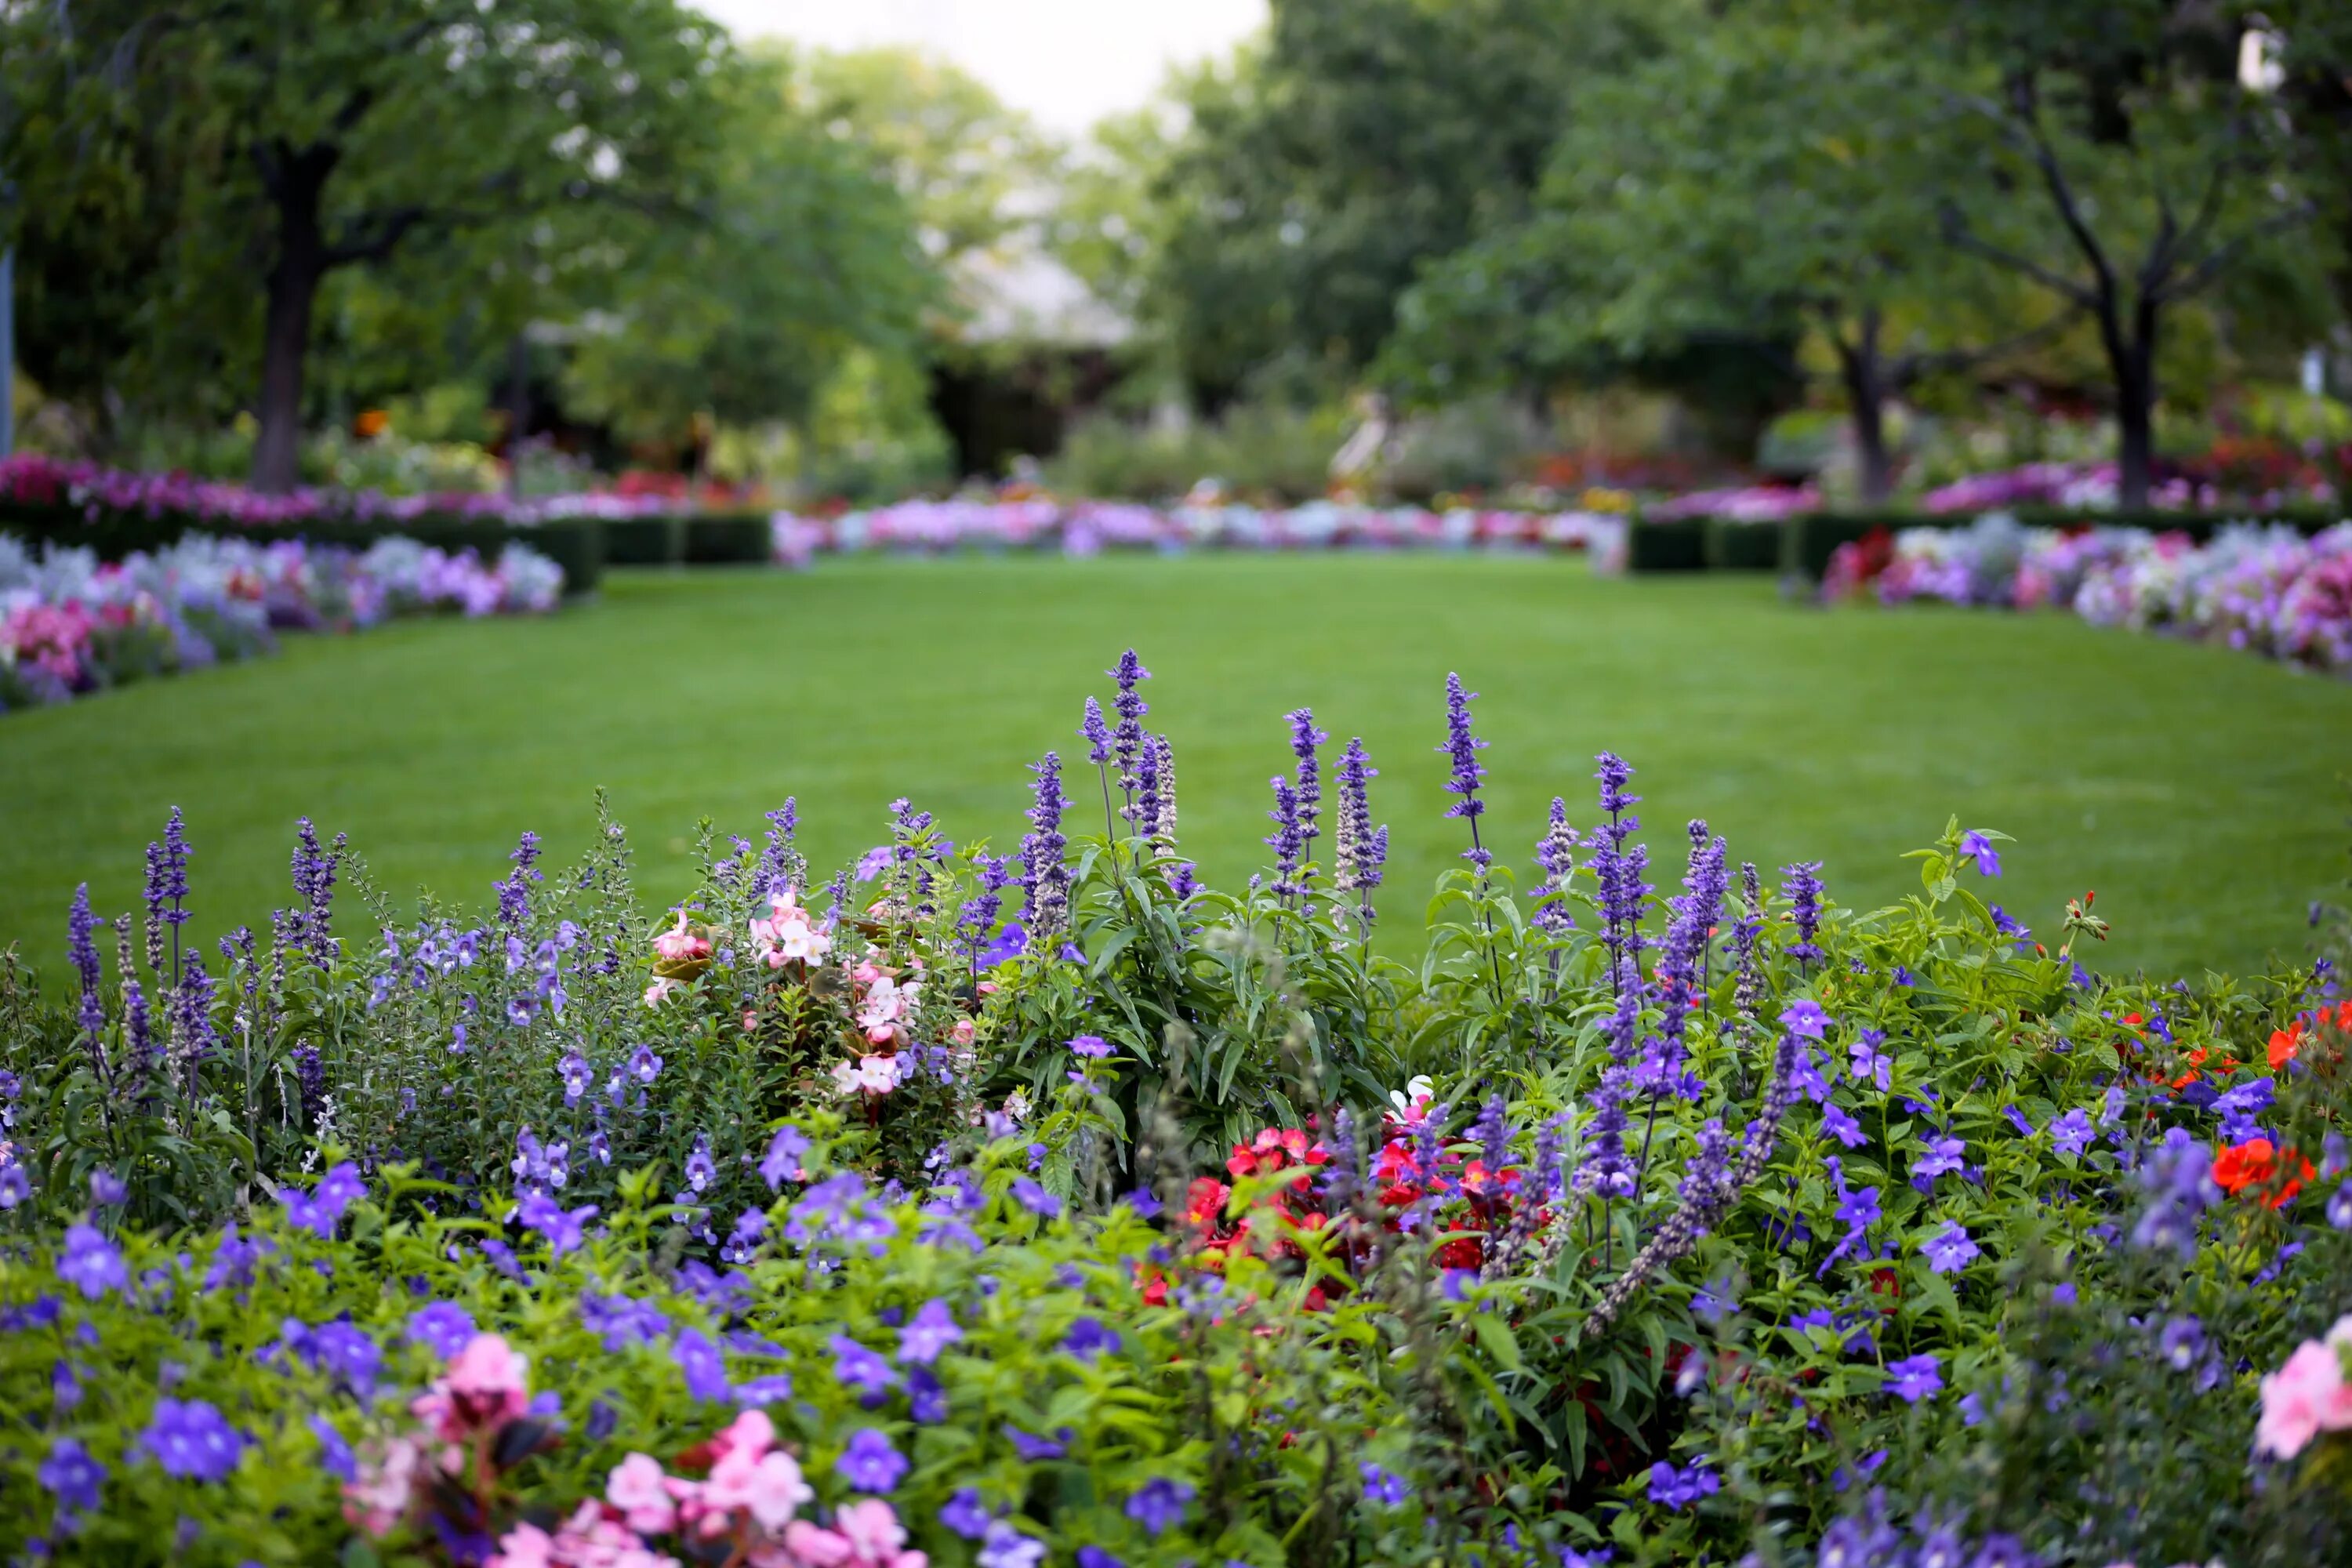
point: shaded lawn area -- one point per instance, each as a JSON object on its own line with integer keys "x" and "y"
{"x": 2196, "y": 789}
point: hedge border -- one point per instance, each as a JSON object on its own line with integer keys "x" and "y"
{"x": 1732, "y": 545}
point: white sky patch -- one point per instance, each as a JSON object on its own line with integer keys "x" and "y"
{"x": 1066, "y": 62}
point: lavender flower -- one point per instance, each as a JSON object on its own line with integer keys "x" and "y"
{"x": 1044, "y": 878}
{"x": 1303, "y": 737}
{"x": 1159, "y": 1504}
{"x": 1145, "y": 815}
{"x": 1950, "y": 1249}
{"x": 781, "y": 865}
{"x": 1359, "y": 851}
{"x": 167, "y": 885}
{"x": 82, "y": 951}
{"x": 314, "y": 889}
{"x": 1287, "y": 840}
{"x": 1914, "y": 1378}
{"x": 870, "y": 1463}
{"x": 1127, "y": 741}
{"x": 1163, "y": 824}
{"x": 311, "y": 1082}
{"x": 1095, "y": 733}
{"x": 1461, "y": 747}
{"x": 514, "y": 894}
{"x": 191, "y": 1441}
{"x": 71, "y": 1475}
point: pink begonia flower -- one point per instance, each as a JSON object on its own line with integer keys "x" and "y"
{"x": 658, "y": 993}
{"x": 816, "y": 1548}
{"x": 677, "y": 942}
{"x": 962, "y": 1032}
{"x": 485, "y": 1387}
{"x": 377, "y": 1498}
{"x": 641, "y": 1491}
{"x": 749, "y": 1433}
{"x": 2303, "y": 1398}
{"x": 872, "y": 1528}
{"x": 524, "y": 1546}
{"x": 769, "y": 1485}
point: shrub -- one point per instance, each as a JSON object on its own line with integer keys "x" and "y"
{"x": 1144, "y": 1223}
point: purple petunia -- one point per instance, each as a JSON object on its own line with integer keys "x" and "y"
{"x": 191, "y": 1441}
{"x": 1805, "y": 1018}
{"x": 966, "y": 1515}
{"x": 1975, "y": 846}
{"x": 783, "y": 1161}
{"x": 565, "y": 1228}
{"x": 860, "y": 1368}
{"x": 1950, "y": 1249}
{"x": 1090, "y": 1046}
{"x": 929, "y": 1331}
{"x": 1841, "y": 1127}
{"x": 870, "y": 1463}
{"x": 1089, "y": 1339}
{"x": 1159, "y": 1504}
{"x": 704, "y": 1366}
{"x": 1678, "y": 1488}
{"x": 1034, "y": 1199}
{"x": 90, "y": 1264}
{"x": 1914, "y": 1378}
{"x": 1383, "y": 1486}
{"x": 71, "y": 1475}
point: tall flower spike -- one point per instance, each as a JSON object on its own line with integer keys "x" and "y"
{"x": 1356, "y": 851}
{"x": 1095, "y": 733}
{"x": 1286, "y": 841}
{"x": 1803, "y": 884}
{"x": 1618, "y": 868}
{"x": 1748, "y": 994}
{"x": 314, "y": 890}
{"x": 1163, "y": 759}
{"x": 1143, "y": 817}
{"x": 1556, "y": 853}
{"x": 1303, "y": 737}
{"x": 781, "y": 864}
{"x": 1127, "y": 741}
{"x": 1045, "y": 879}
{"x": 1463, "y": 747}
{"x": 82, "y": 948}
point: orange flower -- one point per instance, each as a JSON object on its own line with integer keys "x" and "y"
{"x": 2257, "y": 1164}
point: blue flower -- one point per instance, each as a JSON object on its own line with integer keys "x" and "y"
{"x": 90, "y": 1264}
{"x": 191, "y": 1441}
{"x": 1950, "y": 1249}
{"x": 1158, "y": 1503}
{"x": 1383, "y": 1486}
{"x": 1089, "y": 1339}
{"x": 71, "y": 1475}
{"x": 1678, "y": 1488}
{"x": 870, "y": 1463}
{"x": 704, "y": 1366}
{"x": 1805, "y": 1018}
{"x": 1975, "y": 846}
{"x": 1914, "y": 1378}
{"x": 966, "y": 1515}
{"x": 929, "y": 1331}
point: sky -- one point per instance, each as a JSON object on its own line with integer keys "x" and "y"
{"x": 1068, "y": 62}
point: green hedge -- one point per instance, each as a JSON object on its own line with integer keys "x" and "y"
{"x": 1678, "y": 545}
{"x": 644, "y": 541}
{"x": 1730, "y": 545}
{"x": 741, "y": 540}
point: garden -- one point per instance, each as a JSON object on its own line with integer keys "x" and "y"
{"x": 1523, "y": 784}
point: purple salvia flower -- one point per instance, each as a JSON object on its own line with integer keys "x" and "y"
{"x": 1303, "y": 737}
{"x": 1803, "y": 884}
{"x": 1162, "y": 825}
{"x": 1619, "y": 870}
{"x": 514, "y": 894}
{"x": 1045, "y": 879}
{"x": 1747, "y": 995}
{"x": 311, "y": 1082}
{"x": 781, "y": 865}
{"x": 1145, "y": 816}
{"x": 82, "y": 951}
{"x": 978, "y": 916}
{"x": 1463, "y": 747}
{"x": 1358, "y": 850}
{"x": 1096, "y": 734}
{"x": 314, "y": 890}
{"x": 1287, "y": 841}
{"x": 1127, "y": 741}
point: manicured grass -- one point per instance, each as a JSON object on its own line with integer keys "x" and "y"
{"x": 2196, "y": 789}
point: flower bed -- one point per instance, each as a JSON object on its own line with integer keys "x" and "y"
{"x": 1087, "y": 528}
{"x": 70, "y": 624}
{"x": 1046, "y": 1205}
{"x": 2271, "y": 591}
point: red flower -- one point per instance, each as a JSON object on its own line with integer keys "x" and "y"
{"x": 2257, "y": 1164}
{"x": 2284, "y": 1043}
{"x": 1204, "y": 1204}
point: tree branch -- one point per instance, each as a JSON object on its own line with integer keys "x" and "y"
{"x": 372, "y": 237}
{"x": 1958, "y": 232}
{"x": 1910, "y": 367}
{"x": 2205, "y": 271}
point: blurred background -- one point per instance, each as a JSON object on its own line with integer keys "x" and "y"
{"x": 776, "y": 251}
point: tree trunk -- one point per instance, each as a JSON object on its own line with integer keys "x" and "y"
{"x": 1865, "y": 393}
{"x": 518, "y": 408}
{"x": 294, "y": 184}
{"x": 2136, "y": 413}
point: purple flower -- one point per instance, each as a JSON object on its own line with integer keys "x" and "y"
{"x": 1914, "y": 1378}
{"x": 2181, "y": 1341}
{"x": 90, "y": 1264}
{"x": 1288, "y": 839}
{"x": 1005, "y": 1547}
{"x": 563, "y": 1227}
{"x": 2339, "y": 1208}
{"x": 1556, "y": 854}
{"x": 966, "y": 1515}
{"x": 1975, "y": 846}
{"x": 1461, "y": 747}
{"x": 700, "y": 1169}
{"x": 1803, "y": 884}
{"x": 1034, "y": 1449}
{"x": 1158, "y": 1504}
{"x": 1677, "y": 1489}
{"x": 869, "y": 1463}
{"x": 444, "y": 1328}
{"x": 1942, "y": 1157}
{"x": 929, "y": 1331}
{"x": 1096, "y": 1557}
{"x": 704, "y": 1366}
{"x": 71, "y": 1475}
{"x": 1096, "y": 734}
{"x": 1303, "y": 737}
{"x": 1381, "y": 1487}
{"x": 1359, "y": 852}
{"x": 927, "y": 1396}
{"x": 781, "y": 1163}
{"x": 1034, "y": 1199}
{"x": 1949, "y": 1249}
{"x": 1841, "y": 1127}
{"x": 1870, "y": 1063}
{"x": 574, "y": 1070}
{"x": 860, "y": 1368}
{"x": 2071, "y": 1133}
{"x": 1090, "y": 1046}
{"x": 1089, "y": 1339}
{"x": 1805, "y": 1018}
{"x": 191, "y": 1441}
{"x": 106, "y": 1190}
{"x": 1044, "y": 876}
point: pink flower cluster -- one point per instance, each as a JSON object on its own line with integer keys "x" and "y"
{"x": 1747, "y": 503}
{"x": 749, "y": 1504}
{"x": 2077, "y": 487}
{"x": 1087, "y": 527}
{"x": 486, "y": 1387}
{"x": 2307, "y": 1396}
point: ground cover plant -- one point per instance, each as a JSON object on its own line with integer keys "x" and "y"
{"x": 1026, "y": 1201}
{"x": 1800, "y": 735}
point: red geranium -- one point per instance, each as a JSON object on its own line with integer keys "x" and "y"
{"x": 2258, "y": 1165}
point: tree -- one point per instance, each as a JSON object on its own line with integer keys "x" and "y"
{"x": 1364, "y": 139}
{"x": 1767, "y": 179}
{"x": 808, "y": 254}
{"x": 326, "y": 134}
{"x": 2127, "y": 122}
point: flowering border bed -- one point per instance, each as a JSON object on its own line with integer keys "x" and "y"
{"x": 2271, "y": 591}
{"x": 70, "y": 624}
{"x": 883, "y": 1221}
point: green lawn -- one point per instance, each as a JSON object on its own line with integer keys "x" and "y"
{"x": 2196, "y": 789}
